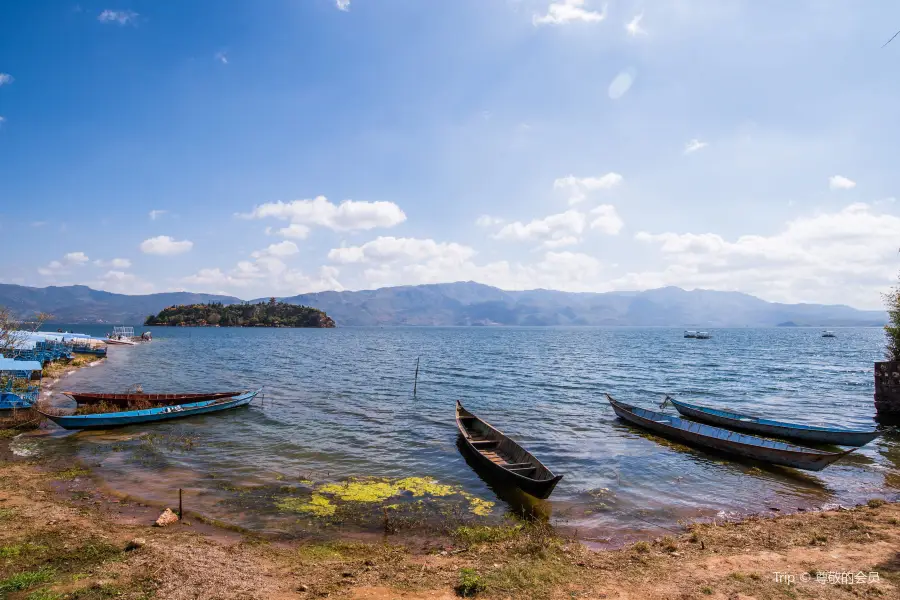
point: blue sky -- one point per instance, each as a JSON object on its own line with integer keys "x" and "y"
{"x": 300, "y": 145}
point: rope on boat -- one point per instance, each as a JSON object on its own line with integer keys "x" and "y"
{"x": 666, "y": 402}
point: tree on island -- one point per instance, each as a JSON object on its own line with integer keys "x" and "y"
{"x": 262, "y": 314}
{"x": 892, "y": 329}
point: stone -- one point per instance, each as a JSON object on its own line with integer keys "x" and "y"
{"x": 302, "y": 588}
{"x": 166, "y": 518}
{"x": 135, "y": 544}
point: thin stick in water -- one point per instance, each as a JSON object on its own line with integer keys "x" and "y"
{"x": 180, "y": 510}
{"x": 416, "y": 382}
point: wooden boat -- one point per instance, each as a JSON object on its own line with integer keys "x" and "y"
{"x": 723, "y": 440}
{"x": 134, "y": 417}
{"x": 126, "y": 399}
{"x": 503, "y": 458}
{"x": 806, "y": 433}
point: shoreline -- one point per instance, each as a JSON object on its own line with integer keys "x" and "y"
{"x": 48, "y": 500}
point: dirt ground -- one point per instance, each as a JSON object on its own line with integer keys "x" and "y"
{"x": 60, "y": 538}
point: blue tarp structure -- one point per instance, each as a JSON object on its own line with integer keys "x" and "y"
{"x": 8, "y": 364}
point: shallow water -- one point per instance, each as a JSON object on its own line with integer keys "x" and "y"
{"x": 339, "y": 404}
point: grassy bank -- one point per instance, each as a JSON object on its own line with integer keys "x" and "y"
{"x": 59, "y": 538}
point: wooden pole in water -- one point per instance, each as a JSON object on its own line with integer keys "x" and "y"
{"x": 180, "y": 512}
{"x": 416, "y": 382}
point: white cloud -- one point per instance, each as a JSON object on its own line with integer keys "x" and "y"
{"x": 350, "y": 215}
{"x": 553, "y": 227}
{"x": 123, "y": 283}
{"x": 294, "y": 231}
{"x": 580, "y": 186}
{"x": 606, "y": 219}
{"x": 633, "y": 27}
{"x": 165, "y": 246}
{"x": 621, "y": 83}
{"x": 694, "y": 145}
{"x": 2, "y": 119}
{"x": 155, "y": 214}
{"x": 76, "y": 258}
{"x": 392, "y": 249}
{"x": 5, "y": 78}
{"x": 122, "y": 17}
{"x": 846, "y": 256}
{"x": 281, "y": 249}
{"x": 569, "y": 240}
{"x": 488, "y": 221}
{"x": 222, "y": 57}
{"x": 116, "y": 263}
{"x": 839, "y": 182}
{"x": 561, "y": 12}
{"x": 59, "y": 267}
{"x": 343, "y": 5}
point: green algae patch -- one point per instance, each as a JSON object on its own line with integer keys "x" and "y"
{"x": 420, "y": 486}
{"x": 360, "y": 491}
{"x": 480, "y": 507}
{"x": 353, "y": 499}
{"x": 317, "y": 505}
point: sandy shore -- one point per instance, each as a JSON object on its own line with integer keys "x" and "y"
{"x": 61, "y": 538}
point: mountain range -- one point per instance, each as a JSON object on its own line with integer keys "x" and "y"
{"x": 463, "y": 303}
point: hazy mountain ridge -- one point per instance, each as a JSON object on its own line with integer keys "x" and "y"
{"x": 464, "y": 303}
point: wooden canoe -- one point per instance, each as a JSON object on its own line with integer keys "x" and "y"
{"x": 723, "y": 440}
{"x": 124, "y": 400}
{"x": 807, "y": 433}
{"x": 503, "y": 458}
{"x": 135, "y": 417}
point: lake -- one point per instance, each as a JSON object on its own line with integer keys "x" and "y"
{"x": 339, "y": 404}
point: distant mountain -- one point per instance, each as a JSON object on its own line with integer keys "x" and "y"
{"x": 81, "y": 304}
{"x": 465, "y": 303}
{"x": 469, "y": 303}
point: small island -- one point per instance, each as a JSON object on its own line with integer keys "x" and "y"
{"x": 262, "y": 314}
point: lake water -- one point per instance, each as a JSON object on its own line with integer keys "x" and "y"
{"x": 339, "y": 404}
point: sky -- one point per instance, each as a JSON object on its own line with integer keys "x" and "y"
{"x": 291, "y": 146}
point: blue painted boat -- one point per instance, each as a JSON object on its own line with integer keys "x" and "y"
{"x": 807, "y": 433}
{"x": 18, "y": 392}
{"x": 723, "y": 440}
{"x": 150, "y": 415}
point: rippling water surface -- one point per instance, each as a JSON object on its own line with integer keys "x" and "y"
{"x": 339, "y": 403}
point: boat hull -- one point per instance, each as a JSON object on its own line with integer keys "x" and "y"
{"x": 123, "y": 400}
{"x": 805, "y": 433}
{"x": 136, "y": 417}
{"x": 723, "y": 440}
{"x": 540, "y": 487}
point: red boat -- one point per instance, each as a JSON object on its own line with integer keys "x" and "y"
{"x": 124, "y": 400}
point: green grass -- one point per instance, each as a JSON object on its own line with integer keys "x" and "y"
{"x": 25, "y": 580}
{"x": 527, "y": 578}
{"x": 70, "y": 473}
{"x": 17, "y": 550}
{"x": 876, "y": 502}
{"x": 44, "y": 594}
{"x": 470, "y": 583}
{"x": 641, "y": 547}
{"x": 482, "y": 534}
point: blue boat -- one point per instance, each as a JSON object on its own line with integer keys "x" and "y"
{"x": 723, "y": 440}
{"x": 150, "y": 415}
{"x": 18, "y": 392}
{"x": 807, "y": 433}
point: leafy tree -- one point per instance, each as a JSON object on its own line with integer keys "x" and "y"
{"x": 892, "y": 329}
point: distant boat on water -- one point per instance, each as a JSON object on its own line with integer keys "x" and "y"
{"x": 690, "y": 334}
{"x": 703, "y": 335}
{"x": 828, "y": 334}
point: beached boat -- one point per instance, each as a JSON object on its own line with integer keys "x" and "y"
{"x": 723, "y": 440}
{"x": 150, "y": 415}
{"x": 503, "y": 458}
{"x": 18, "y": 392}
{"x": 125, "y": 399}
{"x": 807, "y": 433}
